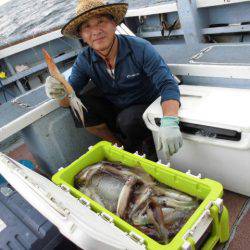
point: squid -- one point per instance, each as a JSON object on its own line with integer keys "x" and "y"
{"x": 75, "y": 103}
{"x": 133, "y": 195}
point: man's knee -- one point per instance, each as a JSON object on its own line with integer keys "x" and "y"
{"x": 126, "y": 120}
{"x": 130, "y": 119}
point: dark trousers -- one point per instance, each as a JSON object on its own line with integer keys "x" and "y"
{"x": 126, "y": 124}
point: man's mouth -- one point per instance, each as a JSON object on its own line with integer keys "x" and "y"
{"x": 98, "y": 39}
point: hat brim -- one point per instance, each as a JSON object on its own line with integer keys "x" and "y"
{"x": 117, "y": 10}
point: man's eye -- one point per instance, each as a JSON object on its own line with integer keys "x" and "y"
{"x": 85, "y": 27}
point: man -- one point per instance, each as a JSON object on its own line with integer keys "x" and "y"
{"x": 128, "y": 74}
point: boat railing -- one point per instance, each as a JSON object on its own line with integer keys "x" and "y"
{"x": 33, "y": 113}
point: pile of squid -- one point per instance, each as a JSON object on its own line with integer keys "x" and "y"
{"x": 135, "y": 196}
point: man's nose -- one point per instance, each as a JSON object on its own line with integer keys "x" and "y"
{"x": 96, "y": 30}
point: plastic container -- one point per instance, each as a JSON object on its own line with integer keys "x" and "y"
{"x": 22, "y": 226}
{"x": 90, "y": 226}
{"x": 216, "y": 130}
{"x": 205, "y": 189}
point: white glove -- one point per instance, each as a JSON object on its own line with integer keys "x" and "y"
{"x": 54, "y": 89}
{"x": 169, "y": 136}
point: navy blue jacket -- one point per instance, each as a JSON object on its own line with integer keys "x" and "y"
{"x": 141, "y": 75}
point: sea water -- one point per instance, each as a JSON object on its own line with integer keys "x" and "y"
{"x": 21, "y": 19}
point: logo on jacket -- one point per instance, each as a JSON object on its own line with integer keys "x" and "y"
{"x": 133, "y": 75}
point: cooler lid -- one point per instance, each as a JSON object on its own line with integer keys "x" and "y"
{"x": 75, "y": 220}
{"x": 217, "y": 107}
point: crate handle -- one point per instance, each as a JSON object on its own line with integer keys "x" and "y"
{"x": 107, "y": 217}
{"x": 202, "y": 224}
{"x": 65, "y": 188}
{"x": 218, "y": 203}
{"x": 198, "y": 229}
{"x": 137, "y": 238}
{"x": 84, "y": 202}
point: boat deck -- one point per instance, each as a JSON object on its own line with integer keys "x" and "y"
{"x": 238, "y": 206}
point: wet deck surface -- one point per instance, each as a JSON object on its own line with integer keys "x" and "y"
{"x": 237, "y": 205}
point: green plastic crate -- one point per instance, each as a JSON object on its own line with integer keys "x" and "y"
{"x": 205, "y": 189}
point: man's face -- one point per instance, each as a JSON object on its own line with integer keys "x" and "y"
{"x": 98, "y": 32}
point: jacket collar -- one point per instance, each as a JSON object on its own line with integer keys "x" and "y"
{"x": 123, "y": 50}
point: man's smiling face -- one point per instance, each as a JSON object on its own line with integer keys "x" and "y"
{"x": 98, "y": 32}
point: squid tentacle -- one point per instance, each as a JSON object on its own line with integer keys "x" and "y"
{"x": 75, "y": 103}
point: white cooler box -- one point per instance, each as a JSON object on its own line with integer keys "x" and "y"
{"x": 215, "y": 124}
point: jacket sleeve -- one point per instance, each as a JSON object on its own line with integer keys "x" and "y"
{"x": 79, "y": 76}
{"x": 159, "y": 73}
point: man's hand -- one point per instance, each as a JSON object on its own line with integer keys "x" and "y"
{"x": 54, "y": 89}
{"x": 169, "y": 136}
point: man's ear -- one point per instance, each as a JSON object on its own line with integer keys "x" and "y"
{"x": 114, "y": 25}
{"x": 80, "y": 35}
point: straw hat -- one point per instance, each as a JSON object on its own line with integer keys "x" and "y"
{"x": 86, "y": 9}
